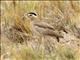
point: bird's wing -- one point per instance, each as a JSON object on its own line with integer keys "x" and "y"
{"x": 44, "y": 25}
{"x": 52, "y": 33}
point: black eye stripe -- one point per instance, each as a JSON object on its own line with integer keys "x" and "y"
{"x": 32, "y": 13}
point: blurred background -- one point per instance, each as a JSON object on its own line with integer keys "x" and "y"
{"x": 17, "y": 42}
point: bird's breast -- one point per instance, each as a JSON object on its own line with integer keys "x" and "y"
{"x": 36, "y": 30}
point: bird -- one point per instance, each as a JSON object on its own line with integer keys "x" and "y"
{"x": 39, "y": 27}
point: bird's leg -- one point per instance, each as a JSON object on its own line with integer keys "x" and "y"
{"x": 57, "y": 39}
{"x": 65, "y": 30}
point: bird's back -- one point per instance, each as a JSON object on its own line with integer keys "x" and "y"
{"x": 43, "y": 24}
{"x": 44, "y": 28}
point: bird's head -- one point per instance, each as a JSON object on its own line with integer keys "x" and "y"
{"x": 31, "y": 15}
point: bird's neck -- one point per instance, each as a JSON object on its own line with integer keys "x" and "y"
{"x": 32, "y": 22}
{"x": 35, "y": 18}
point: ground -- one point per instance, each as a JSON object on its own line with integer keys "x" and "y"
{"x": 17, "y": 41}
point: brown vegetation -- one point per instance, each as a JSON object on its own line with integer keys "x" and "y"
{"x": 17, "y": 41}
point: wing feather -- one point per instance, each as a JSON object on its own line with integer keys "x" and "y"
{"x": 44, "y": 25}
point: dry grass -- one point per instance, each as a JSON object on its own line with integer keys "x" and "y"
{"x": 17, "y": 42}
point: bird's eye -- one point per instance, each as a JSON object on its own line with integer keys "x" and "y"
{"x": 30, "y": 15}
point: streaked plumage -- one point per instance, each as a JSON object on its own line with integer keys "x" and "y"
{"x": 42, "y": 28}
